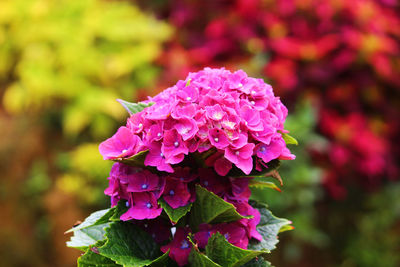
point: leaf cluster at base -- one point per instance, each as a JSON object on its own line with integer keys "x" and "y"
{"x": 107, "y": 241}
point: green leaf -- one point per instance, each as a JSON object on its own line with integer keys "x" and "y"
{"x": 210, "y": 208}
{"x": 263, "y": 184}
{"x": 135, "y": 160}
{"x": 161, "y": 261}
{"x": 96, "y": 218}
{"x": 269, "y": 227}
{"x": 120, "y": 209}
{"x": 188, "y": 82}
{"x": 134, "y": 108}
{"x": 130, "y": 246}
{"x": 219, "y": 250}
{"x": 199, "y": 259}
{"x": 289, "y": 140}
{"x": 258, "y": 262}
{"x": 174, "y": 214}
{"x": 90, "y": 259}
{"x": 88, "y": 236}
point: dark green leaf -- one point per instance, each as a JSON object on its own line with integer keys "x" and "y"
{"x": 269, "y": 227}
{"x": 90, "y": 259}
{"x": 289, "y": 140}
{"x": 88, "y": 236}
{"x": 133, "y": 108}
{"x": 161, "y": 261}
{"x": 258, "y": 262}
{"x": 199, "y": 259}
{"x": 174, "y": 214}
{"x": 96, "y": 218}
{"x": 219, "y": 250}
{"x": 130, "y": 246}
{"x": 210, "y": 208}
{"x": 135, "y": 160}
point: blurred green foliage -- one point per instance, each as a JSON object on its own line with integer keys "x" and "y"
{"x": 63, "y": 64}
{"x": 84, "y": 173}
{"x": 376, "y": 239}
{"x": 76, "y": 57}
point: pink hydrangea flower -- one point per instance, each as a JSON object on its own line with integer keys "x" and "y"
{"x": 142, "y": 206}
{"x": 230, "y": 112}
{"x": 180, "y": 246}
{"x": 122, "y": 144}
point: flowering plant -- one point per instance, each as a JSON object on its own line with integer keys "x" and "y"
{"x": 184, "y": 167}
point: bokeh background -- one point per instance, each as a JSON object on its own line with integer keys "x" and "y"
{"x": 335, "y": 64}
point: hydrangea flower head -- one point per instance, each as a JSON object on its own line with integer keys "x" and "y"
{"x": 237, "y": 115}
{"x": 200, "y": 132}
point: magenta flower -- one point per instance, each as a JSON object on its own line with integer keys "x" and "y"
{"x": 173, "y": 147}
{"x": 241, "y": 157}
{"x": 211, "y": 182}
{"x": 234, "y": 233}
{"x": 222, "y": 166}
{"x": 156, "y": 158}
{"x": 122, "y": 144}
{"x": 271, "y": 151}
{"x": 204, "y": 233}
{"x": 180, "y": 247}
{"x": 142, "y": 205}
{"x": 215, "y": 112}
{"x": 251, "y": 118}
{"x": 143, "y": 181}
{"x": 218, "y": 138}
{"x": 186, "y": 127}
{"x": 240, "y": 189}
{"x": 183, "y": 174}
{"x": 246, "y": 209}
{"x": 176, "y": 193}
{"x": 136, "y": 123}
{"x": 155, "y": 133}
{"x": 113, "y": 190}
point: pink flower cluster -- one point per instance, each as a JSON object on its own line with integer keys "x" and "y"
{"x": 141, "y": 191}
{"x": 234, "y": 114}
{"x": 219, "y": 117}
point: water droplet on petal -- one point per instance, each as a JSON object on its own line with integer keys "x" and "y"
{"x": 144, "y": 186}
{"x": 124, "y": 151}
{"x": 159, "y": 135}
{"x": 171, "y": 192}
{"x": 216, "y": 139}
{"x": 176, "y": 144}
{"x": 253, "y": 103}
{"x": 237, "y": 153}
{"x": 188, "y": 98}
{"x": 148, "y": 205}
